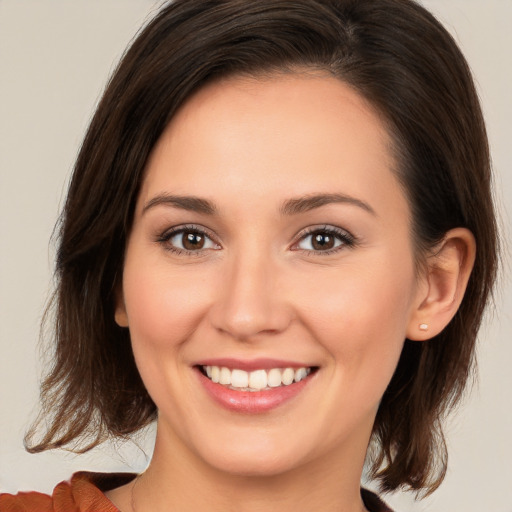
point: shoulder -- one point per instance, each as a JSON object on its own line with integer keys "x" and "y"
{"x": 83, "y": 493}
{"x": 373, "y": 503}
{"x": 26, "y": 502}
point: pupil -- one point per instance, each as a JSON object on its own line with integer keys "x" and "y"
{"x": 192, "y": 241}
{"x": 323, "y": 241}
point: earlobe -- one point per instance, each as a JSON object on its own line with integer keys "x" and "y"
{"x": 444, "y": 284}
{"x": 120, "y": 315}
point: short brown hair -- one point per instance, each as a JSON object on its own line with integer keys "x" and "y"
{"x": 392, "y": 52}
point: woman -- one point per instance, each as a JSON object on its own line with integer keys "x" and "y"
{"x": 278, "y": 242}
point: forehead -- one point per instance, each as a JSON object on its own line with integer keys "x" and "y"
{"x": 272, "y": 137}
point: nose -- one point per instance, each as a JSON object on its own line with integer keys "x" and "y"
{"x": 252, "y": 299}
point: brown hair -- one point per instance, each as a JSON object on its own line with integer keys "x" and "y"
{"x": 398, "y": 57}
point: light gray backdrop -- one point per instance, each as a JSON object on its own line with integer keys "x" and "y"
{"x": 55, "y": 56}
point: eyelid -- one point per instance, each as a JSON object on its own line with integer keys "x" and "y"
{"x": 348, "y": 239}
{"x": 169, "y": 233}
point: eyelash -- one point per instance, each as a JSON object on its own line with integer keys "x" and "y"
{"x": 346, "y": 239}
{"x": 165, "y": 237}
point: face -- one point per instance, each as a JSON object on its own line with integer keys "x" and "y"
{"x": 269, "y": 278}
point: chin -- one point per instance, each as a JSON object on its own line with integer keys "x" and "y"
{"x": 256, "y": 464}
{"x": 257, "y": 455}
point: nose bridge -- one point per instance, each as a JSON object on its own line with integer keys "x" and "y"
{"x": 250, "y": 302}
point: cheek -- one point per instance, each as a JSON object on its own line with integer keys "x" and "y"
{"x": 360, "y": 314}
{"x": 162, "y": 307}
{"x": 361, "y": 323}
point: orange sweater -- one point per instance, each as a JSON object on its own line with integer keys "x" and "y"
{"x": 84, "y": 493}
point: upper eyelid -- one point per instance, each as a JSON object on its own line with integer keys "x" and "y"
{"x": 164, "y": 239}
{"x": 189, "y": 227}
{"x": 349, "y": 239}
{"x": 323, "y": 227}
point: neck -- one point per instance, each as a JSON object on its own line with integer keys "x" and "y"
{"x": 178, "y": 480}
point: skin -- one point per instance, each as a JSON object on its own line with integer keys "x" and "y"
{"x": 259, "y": 289}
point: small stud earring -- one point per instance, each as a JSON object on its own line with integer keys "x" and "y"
{"x": 423, "y": 327}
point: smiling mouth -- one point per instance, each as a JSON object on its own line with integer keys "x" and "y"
{"x": 257, "y": 380}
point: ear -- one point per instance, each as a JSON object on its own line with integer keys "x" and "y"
{"x": 120, "y": 315}
{"x": 442, "y": 287}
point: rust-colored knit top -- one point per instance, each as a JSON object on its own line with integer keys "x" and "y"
{"x": 83, "y": 493}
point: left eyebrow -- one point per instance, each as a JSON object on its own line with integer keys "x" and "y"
{"x": 310, "y": 202}
{"x": 190, "y": 203}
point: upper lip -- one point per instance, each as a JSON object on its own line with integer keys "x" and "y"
{"x": 252, "y": 364}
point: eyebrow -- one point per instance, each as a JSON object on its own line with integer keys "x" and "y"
{"x": 292, "y": 206}
{"x": 310, "y": 202}
{"x": 190, "y": 203}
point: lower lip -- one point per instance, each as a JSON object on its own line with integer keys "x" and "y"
{"x": 252, "y": 402}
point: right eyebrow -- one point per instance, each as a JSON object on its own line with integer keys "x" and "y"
{"x": 190, "y": 203}
{"x": 310, "y": 202}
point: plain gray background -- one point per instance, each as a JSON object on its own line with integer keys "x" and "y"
{"x": 55, "y": 56}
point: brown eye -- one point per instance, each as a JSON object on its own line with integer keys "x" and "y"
{"x": 321, "y": 241}
{"x": 192, "y": 241}
{"x": 324, "y": 240}
{"x": 188, "y": 240}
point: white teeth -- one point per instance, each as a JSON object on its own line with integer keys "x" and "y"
{"x": 239, "y": 379}
{"x": 274, "y": 378}
{"x": 256, "y": 380}
{"x": 288, "y": 376}
{"x": 300, "y": 374}
{"x": 225, "y": 376}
